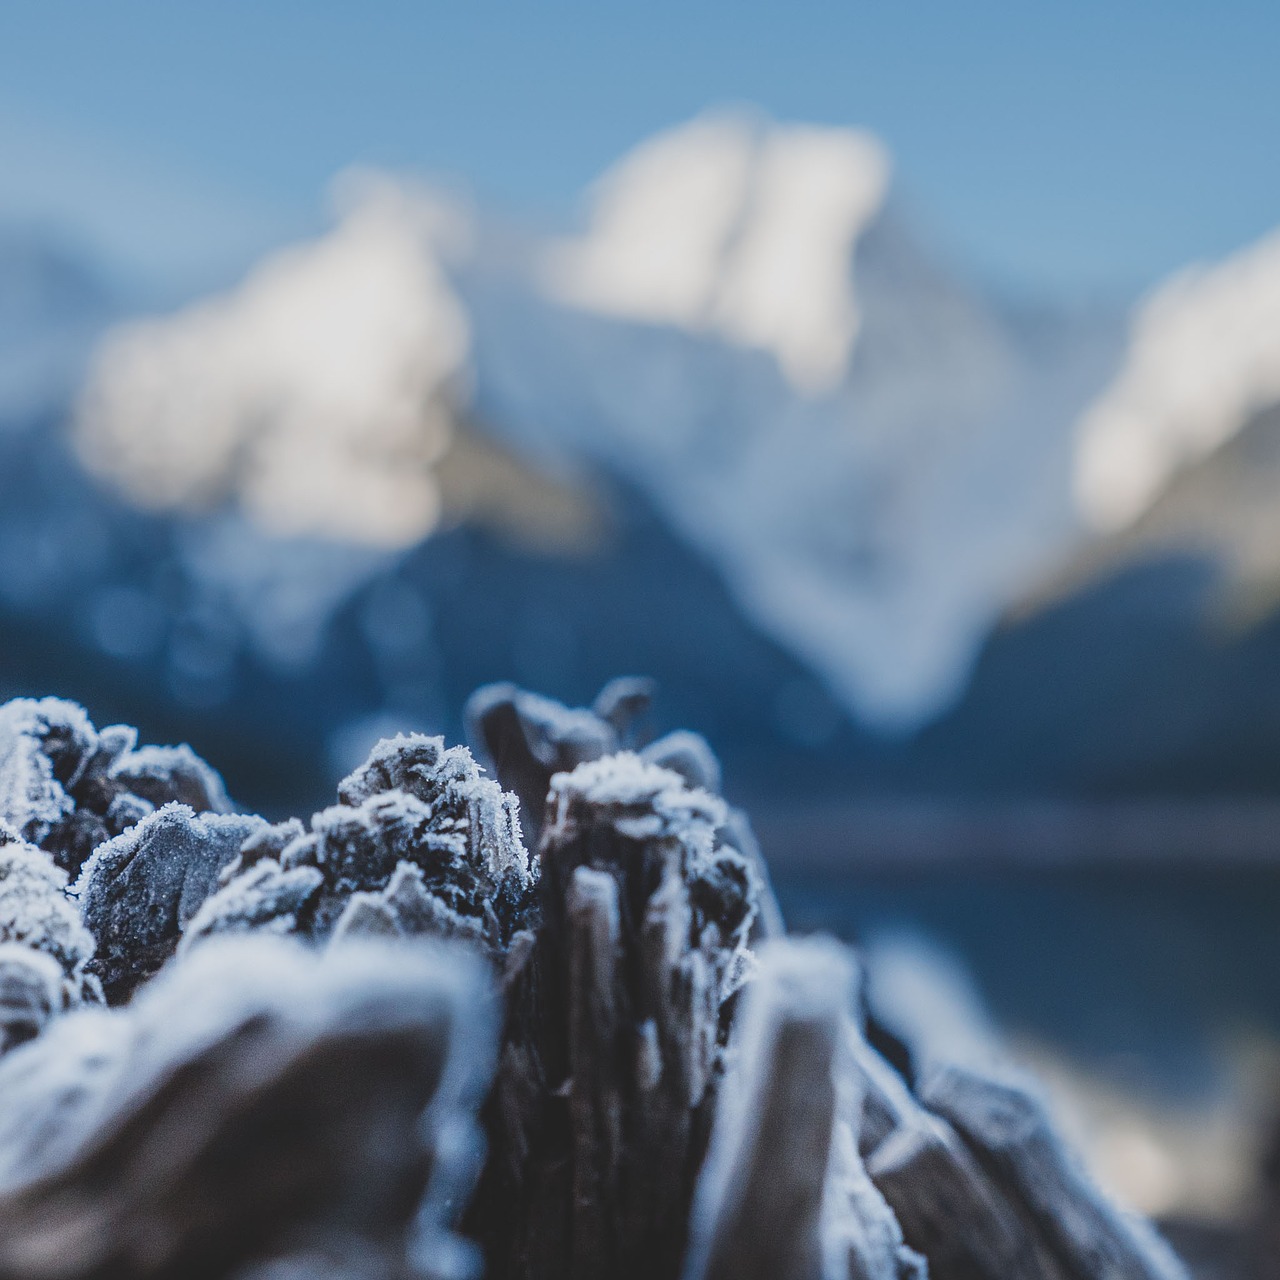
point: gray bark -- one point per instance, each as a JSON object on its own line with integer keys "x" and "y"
{"x": 784, "y": 1192}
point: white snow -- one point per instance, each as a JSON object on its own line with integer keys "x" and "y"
{"x": 1203, "y": 358}
{"x": 729, "y": 227}
{"x": 661, "y": 221}
{"x": 874, "y": 458}
{"x": 314, "y": 394}
{"x": 876, "y": 526}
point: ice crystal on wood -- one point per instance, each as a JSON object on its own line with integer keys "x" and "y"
{"x": 255, "y": 1099}
{"x": 66, "y": 786}
{"x": 311, "y": 1024}
{"x": 422, "y": 842}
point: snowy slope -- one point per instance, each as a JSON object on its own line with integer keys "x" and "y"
{"x": 731, "y": 228}
{"x": 874, "y": 456}
{"x": 1147, "y": 659}
{"x": 875, "y": 471}
{"x": 745, "y": 331}
{"x": 310, "y": 394}
{"x": 1203, "y": 359}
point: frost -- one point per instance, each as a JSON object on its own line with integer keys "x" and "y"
{"x": 641, "y": 799}
{"x": 263, "y": 897}
{"x": 620, "y": 1004}
{"x": 164, "y": 774}
{"x": 484, "y": 819}
{"x": 54, "y": 1098}
{"x": 676, "y": 1092}
{"x": 689, "y": 755}
{"x": 68, "y": 787}
{"x": 138, "y": 891}
{"x": 422, "y": 842}
{"x": 44, "y": 948}
{"x": 31, "y": 993}
{"x": 404, "y": 909}
{"x": 530, "y": 739}
{"x": 42, "y": 745}
{"x": 34, "y": 909}
{"x": 256, "y": 1099}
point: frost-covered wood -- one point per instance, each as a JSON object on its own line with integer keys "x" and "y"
{"x": 44, "y": 947}
{"x": 933, "y": 1181}
{"x": 1008, "y": 1128}
{"x": 528, "y": 739}
{"x": 293, "y": 1075}
{"x": 255, "y": 1099}
{"x": 784, "y": 1192}
{"x": 66, "y": 786}
{"x": 421, "y": 842}
{"x": 31, "y": 993}
{"x": 138, "y": 891}
{"x": 619, "y": 1007}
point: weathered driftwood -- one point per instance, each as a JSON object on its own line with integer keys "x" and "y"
{"x": 1007, "y": 1127}
{"x": 306, "y": 1105}
{"x": 619, "y": 1006}
{"x": 66, "y": 786}
{"x": 528, "y": 739}
{"x": 255, "y": 1099}
{"x": 784, "y": 1192}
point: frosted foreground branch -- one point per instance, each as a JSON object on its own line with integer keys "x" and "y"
{"x": 392, "y": 1042}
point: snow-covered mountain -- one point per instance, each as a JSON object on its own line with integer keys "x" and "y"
{"x": 871, "y": 503}
{"x": 743, "y": 366}
{"x": 1149, "y": 657}
{"x": 869, "y": 451}
{"x": 1203, "y": 358}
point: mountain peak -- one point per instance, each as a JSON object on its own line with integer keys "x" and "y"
{"x": 735, "y": 227}
{"x": 1203, "y": 360}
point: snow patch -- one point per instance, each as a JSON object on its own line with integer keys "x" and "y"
{"x": 315, "y": 394}
{"x": 1203, "y": 359}
{"x": 744, "y": 231}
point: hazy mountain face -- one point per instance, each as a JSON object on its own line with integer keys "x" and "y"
{"x": 871, "y": 458}
{"x": 1146, "y": 660}
{"x": 744, "y": 332}
{"x": 1203, "y": 358}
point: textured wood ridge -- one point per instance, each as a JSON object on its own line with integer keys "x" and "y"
{"x": 396, "y": 1041}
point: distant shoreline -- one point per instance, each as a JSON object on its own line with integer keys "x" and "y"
{"x": 939, "y": 834}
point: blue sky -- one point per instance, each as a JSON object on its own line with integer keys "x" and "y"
{"x": 1082, "y": 147}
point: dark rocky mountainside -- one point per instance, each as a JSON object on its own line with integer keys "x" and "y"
{"x": 1149, "y": 664}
